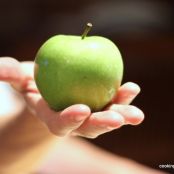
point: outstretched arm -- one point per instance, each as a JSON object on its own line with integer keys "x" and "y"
{"x": 28, "y": 134}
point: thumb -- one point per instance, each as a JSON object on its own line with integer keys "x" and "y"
{"x": 11, "y": 72}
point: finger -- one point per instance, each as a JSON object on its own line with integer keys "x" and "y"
{"x": 28, "y": 69}
{"x": 59, "y": 123}
{"x": 30, "y": 87}
{"x": 11, "y": 71}
{"x": 126, "y": 93}
{"x": 69, "y": 119}
{"x": 33, "y": 99}
{"x": 39, "y": 106}
{"x": 131, "y": 114}
{"x": 99, "y": 123}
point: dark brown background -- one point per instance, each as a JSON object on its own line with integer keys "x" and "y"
{"x": 144, "y": 32}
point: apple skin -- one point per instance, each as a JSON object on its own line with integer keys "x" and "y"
{"x": 71, "y": 70}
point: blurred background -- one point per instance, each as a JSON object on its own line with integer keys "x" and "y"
{"x": 144, "y": 32}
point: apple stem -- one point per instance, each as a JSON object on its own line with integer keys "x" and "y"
{"x": 87, "y": 29}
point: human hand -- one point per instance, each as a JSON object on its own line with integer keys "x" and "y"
{"x": 76, "y": 119}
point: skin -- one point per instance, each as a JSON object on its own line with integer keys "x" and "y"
{"x": 76, "y": 119}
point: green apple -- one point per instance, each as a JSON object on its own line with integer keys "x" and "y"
{"x": 78, "y": 70}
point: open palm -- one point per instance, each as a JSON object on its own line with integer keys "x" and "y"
{"x": 76, "y": 119}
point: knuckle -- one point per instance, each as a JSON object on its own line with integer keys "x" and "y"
{"x": 86, "y": 134}
{"x": 91, "y": 136}
{"x": 56, "y": 132}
